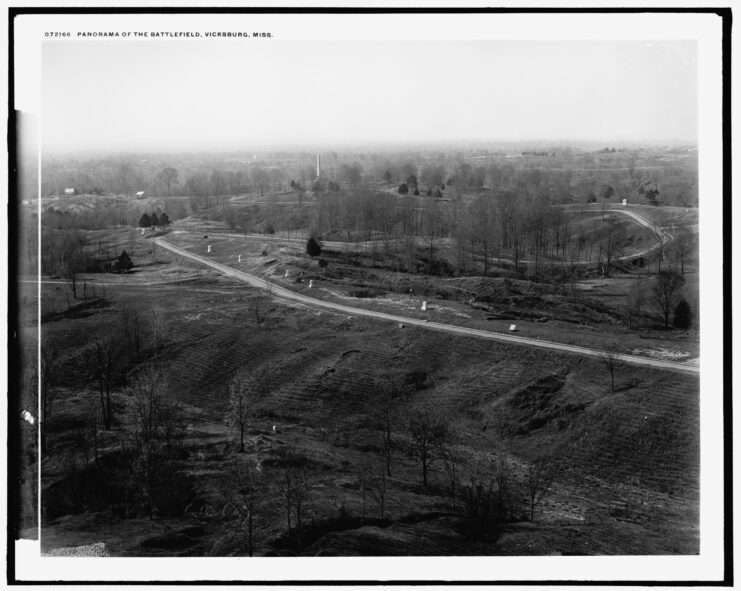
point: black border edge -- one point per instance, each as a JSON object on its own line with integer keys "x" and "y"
{"x": 13, "y": 447}
{"x": 720, "y": 11}
{"x": 728, "y": 571}
{"x": 725, "y": 13}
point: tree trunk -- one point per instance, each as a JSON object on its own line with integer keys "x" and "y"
{"x": 102, "y": 400}
{"x": 388, "y": 451}
{"x": 109, "y": 413}
{"x": 249, "y": 532}
{"x": 424, "y": 468}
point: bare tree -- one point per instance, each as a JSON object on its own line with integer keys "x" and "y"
{"x": 505, "y": 484}
{"x": 242, "y": 493}
{"x": 383, "y": 414}
{"x": 260, "y": 177}
{"x": 293, "y": 485}
{"x": 666, "y": 292}
{"x": 104, "y": 363}
{"x": 153, "y": 445}
{"x": 155, "y": 322}
{"x": 659, "y": 251}
{"x": 481, "y": 217}
{"x": 491, "y": 493}
{"x": 243, "y": 395}
{"x": 610, "y": 361}
{"x": 301, "y": 494}
{"x": 427, "y": 430}
{"x": 259, "y": 311}
{"x": 636, "y": 299}
{"x": 167, "y": 177}
{"x": 539, "y": 477}
{"x": 142, "y": 450}
{"x": 132, "y": 328}
{"x": 451, "y": 463}
{"x": 352, "y": 173}
{"x": 145, "y": 393}
{"x": 363, "y": 480}
{"x": 682, "y": 247}
{"x": 377, "y": 487}
{"x": 92, "y": 427}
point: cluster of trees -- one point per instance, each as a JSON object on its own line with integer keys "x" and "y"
{"x": 484, "y": 490}
{"x": 68, "y": 254}
{"x": 321, "y": 185}
{"x": 114, "y": 213}
{"x": 153, "y": 448}
{"x": 152, "y": 220}
{"x": 122, "y": 264}
{"x": 127, "y": 392}
{"x": 247, "y": 486}
{"x": 667, "y": 296}
{"x": 502, "y": 225}
{"x": 664, "y": 297}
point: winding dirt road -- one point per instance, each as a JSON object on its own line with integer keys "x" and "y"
{"x": 279, "y": 291}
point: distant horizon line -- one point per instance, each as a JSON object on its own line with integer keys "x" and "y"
{"x": 294, "y": 145}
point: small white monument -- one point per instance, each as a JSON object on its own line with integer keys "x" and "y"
{"x": 286, "y": 275}
{"x": 424, "y": 306}
{"x": 209, "y": 248}
{"x": 311, "y": 283}
{"x": 625, "y": 202}
{"x": 512, "y": 327}
{"x": 142, "y": 231}
{"x": 239, "y": 260}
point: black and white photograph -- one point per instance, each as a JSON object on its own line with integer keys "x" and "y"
{"x": 294, "y": 285}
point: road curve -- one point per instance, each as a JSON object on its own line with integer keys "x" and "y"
{"x": 277, "y": 290}
{"x": 661, "y": 234}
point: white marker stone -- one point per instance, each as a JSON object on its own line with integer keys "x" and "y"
{"x": 142, "y": 231}
{"x": 286, "y": 275}
{"x": 424, "y": 306}
{"x": 512, "y": 327}
{"x": 209, "y": 248}
{"x": 311, "y": 283}
{"x": 239, "y": 260}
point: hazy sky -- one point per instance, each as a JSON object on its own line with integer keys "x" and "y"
{"x": 186, "y": 95}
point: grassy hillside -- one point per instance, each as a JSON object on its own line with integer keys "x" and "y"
{"x": 626, "y": 461}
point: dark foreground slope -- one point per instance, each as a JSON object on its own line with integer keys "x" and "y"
{"x": 625, "y": 461}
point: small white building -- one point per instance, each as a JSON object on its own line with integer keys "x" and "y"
{"x": 70, "y": 191}
{"x": 139, "y": 194}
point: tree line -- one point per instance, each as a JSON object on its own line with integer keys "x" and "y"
{"x": 567, "y": 174}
